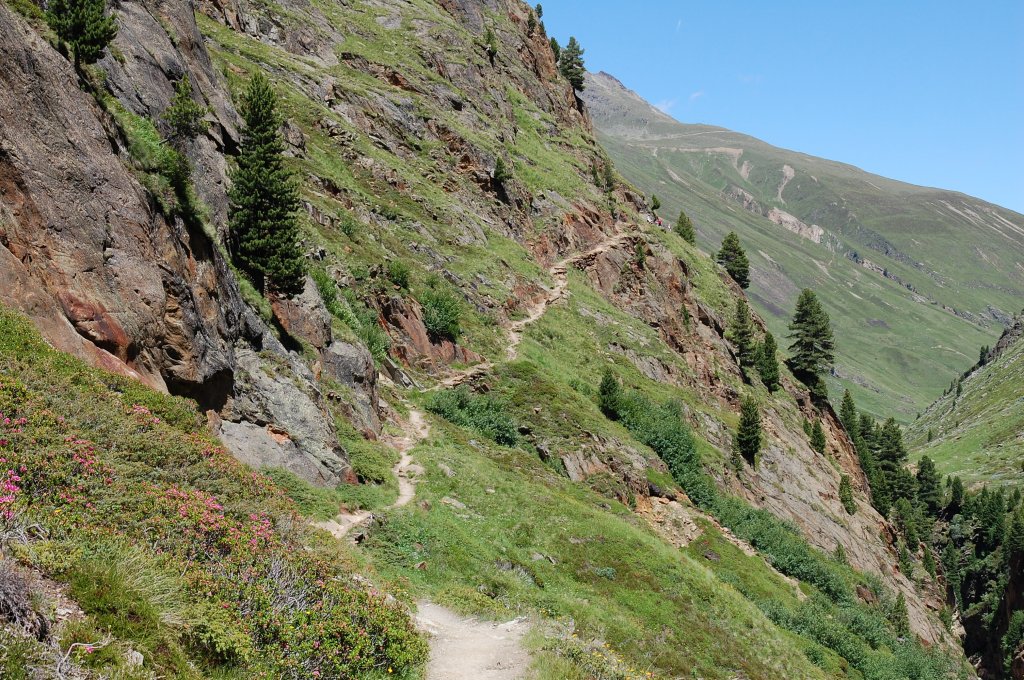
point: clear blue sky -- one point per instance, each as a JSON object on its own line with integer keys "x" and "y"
{"x": 930, "y": 93}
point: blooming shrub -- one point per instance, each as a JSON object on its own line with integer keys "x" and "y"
{"x": 95, "y": 465}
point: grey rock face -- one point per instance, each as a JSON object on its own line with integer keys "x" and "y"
{"x": 107, "y": 278}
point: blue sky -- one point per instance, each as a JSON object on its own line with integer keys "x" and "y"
{"x": 930, "y": 93}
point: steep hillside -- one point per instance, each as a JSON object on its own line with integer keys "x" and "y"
{"x": 914, "y": 278}
{"x": 475, "y": 270}
{"x": 976, "y": 429}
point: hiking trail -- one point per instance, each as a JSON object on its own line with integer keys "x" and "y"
{"x": 464, "y": 648}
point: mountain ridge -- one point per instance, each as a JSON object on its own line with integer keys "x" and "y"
{"x": 871, "y": 245}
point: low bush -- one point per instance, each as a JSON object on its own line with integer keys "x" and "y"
{"x": 98, "y": 472}
{"x": 399, "y": 273}
{"x": 442, "y": 313}
{"x": 483, "y": 414}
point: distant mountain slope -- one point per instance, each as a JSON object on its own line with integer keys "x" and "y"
{"x": 915, "y": 278}
{"x": 979, "y": 434}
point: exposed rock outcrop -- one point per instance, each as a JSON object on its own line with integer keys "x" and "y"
{"x": 107, "y": 278}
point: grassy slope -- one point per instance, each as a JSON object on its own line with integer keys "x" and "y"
{"x": 171, "y": 547}
{"x": 978, "y": 434}
{"x": 895, "y": 352}
{"x": 657, "y": 607}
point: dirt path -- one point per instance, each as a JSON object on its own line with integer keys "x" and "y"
{"x": 560, "y": 273}
{"x": 468, "y": 649}
{"x": 405, "y": 470}
{"x": 465, "y": 648}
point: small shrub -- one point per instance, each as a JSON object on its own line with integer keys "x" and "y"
{"x": 399, "y": 273}
{"x": 442, "y": 314}
{"x": 484, "y": 414}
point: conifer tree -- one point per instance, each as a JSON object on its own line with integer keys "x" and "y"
{"x": 813, "y": 347}
{"x": 263, "y": 198}
{"x": 84, "y": 26}
{"x": 846, "y": 495}
{"x": 184, "y": 115}
{"x": 748, "y": 434}
{"x": 848, "y": 414}
{"x": 768, "y": 362}
{"x": 929, "y": 491}
{"x": 905, "y": 520}
{"x": 540, "y": 11}
{"x": 899, "y": 617}
{"x": 896, "y": 481}
{"x": 956, "y": 495}
{"x": 741, "y": 333}
{"x": 655, "y": 202}
{"x": 609, "y": 395}
{"x": 570, "y": 64}
{"x": 818, "y": 441}
{"x": 556, "y": 49}
{"x": 684, "y": 227}
{"x": 732, "y": 257}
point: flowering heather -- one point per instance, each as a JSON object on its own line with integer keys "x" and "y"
{"x": 98, "y": 460}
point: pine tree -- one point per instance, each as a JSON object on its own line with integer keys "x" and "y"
{"x": 818, "y": 441}
{"x": 897, "y": 482}
{"x": 848, "y": 414}
{"x": 570, "y": 64}
{"x": 655, "y": 202}
{"x": 898, "y": 616}
{"x": 905, "y": 520}
{"x": 732, "y": 257}
{"x": 813, "y": 346}
{"x": 84, "y": 26}
{"x": 956, "y": 495}
{"x": 184, "y": 115}
{"x": 768, "y": 362}
{"x": 264, "y": 199}
{"x": 741, "y": 333}
{"x": 531, "y": 23}
{"x": 929, "y": 491}
{"x": 846, "y": 495}
{"x": 540, "y": 11}
{"x": 684, "y": 227}
{"x": 609, "y": 395}
{"x": 748, "y": 434}
{"x": 556, "y": 49}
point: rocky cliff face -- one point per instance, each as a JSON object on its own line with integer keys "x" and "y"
{"x": 107, "y": 277}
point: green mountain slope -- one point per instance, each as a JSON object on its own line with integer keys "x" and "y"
{"x": 976, "y": 430}
{"x": 914, "y": 278}
{"x": 476, "y": 269}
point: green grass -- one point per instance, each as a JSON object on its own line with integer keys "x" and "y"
{"x": 977, "y": 435}
{"x": 106, "y": 463}
{"x": 896, "y": 350}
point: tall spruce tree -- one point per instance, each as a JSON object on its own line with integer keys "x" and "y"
{"x": 84, "y": 26}
{"x": 768, "y": 362}
{"x": 556, "y": 49}
{"x": 570, "y": 64}
{"x": 741, "y": 333}
{"x": 813, "y": 347}
{"x": 734, "y": 259}
{"x": 846, "y": 495}
{"x": 929, "y": 489}
{"x": 818, "y": 441}
{"x": 609, "y": 395}
{"x": 748, "y": 434}
{"x": 848, "y": 414}
{"x": 896, "y": 481}
{"x": 684, "y": 227}
{"x": 956, "y": 496}
{"x": 264, "y": 200}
